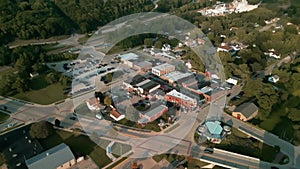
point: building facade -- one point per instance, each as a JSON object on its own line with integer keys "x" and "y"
{"x": 163, "y": 69}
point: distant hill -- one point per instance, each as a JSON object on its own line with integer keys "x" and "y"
{"x": 34, "y": 19}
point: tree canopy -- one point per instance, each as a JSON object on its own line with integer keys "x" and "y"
{"x": 41, "y": 130}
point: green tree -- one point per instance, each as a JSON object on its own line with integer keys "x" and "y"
{"x": 148, "y": 42}
{"x": 52, "y": 77}
{"x": 41, "y": 130}
{"x": 21, "y": 85}
{"x": 108, "y": 101}
{"x": 64, "y": 80}
{"x": 294, "y": 114}
{"x": 158, "y": 44}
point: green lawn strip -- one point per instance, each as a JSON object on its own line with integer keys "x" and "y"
{"x": 79, "y": 144}
{"x": 3, "y": 117}
{"x": 239, "y": 143}
{"x": 153, "y": 126}
{"x": 83, "y": 39}
{"x": 169, "y": 157}
{"x": 117, "y": 163}
{"x": 194, "y": 164}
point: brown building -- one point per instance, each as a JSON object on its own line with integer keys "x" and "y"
{"x": 245, "y": 112}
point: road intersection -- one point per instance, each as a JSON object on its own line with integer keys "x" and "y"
{"x": 179, "y": 140}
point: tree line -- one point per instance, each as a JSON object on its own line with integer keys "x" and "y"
{"x": 26, "y": 60}
{"x": 35, "y": 19}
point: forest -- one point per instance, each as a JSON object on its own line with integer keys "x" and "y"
{"x": 36, "y": 19}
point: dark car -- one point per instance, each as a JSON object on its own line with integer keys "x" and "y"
{"x": 73, "y": 118}
{"x": 209, "y": 150}
{"x": 111, "y": 68}
{"x": 274, "y": 167}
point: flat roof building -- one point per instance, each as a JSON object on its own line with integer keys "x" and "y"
{"x": 128, "y": 56}
{"x": 181, "y": 99}
{"x": 163, "y": 69}
{"x": 152, "y": 114}
{"x": 177, "y": 76}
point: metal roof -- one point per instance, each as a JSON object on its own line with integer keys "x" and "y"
{"x": 129, "y": 56}
{"x": 214, "y": 127}
{"x": 51, "y": 158}
{"x": 164, "y": 66}
{"x": 176, "y": 75}
{"x": 156, "y": 110}
{"x": 174, "y": 93}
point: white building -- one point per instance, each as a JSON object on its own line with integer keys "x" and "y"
{"x": 163, "y": 69}
{"x": 93, "y": 104}
{"x": 273, "y": 79}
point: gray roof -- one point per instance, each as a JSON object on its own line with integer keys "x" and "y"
{"x": 51, "y": 158}
{"x": 156, "y": 110}
{"x": 247, "y": 109}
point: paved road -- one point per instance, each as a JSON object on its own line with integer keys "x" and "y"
{"x": 28, "y": 112}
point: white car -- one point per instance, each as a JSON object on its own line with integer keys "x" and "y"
{"x": 99, "y": 116}
{"x": 10, "y": 125}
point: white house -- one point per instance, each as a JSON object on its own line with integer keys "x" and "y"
{"x": 273, "y": 79}
{"x": 166, "y": 48}
{"x": 224, "y": 48}
{"x": 232, "y": 81}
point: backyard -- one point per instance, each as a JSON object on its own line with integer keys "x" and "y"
{"x": 79, "y": 144}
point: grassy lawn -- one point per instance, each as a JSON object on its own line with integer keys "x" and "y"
{"x": 117, "y": 163}
{"x": 79, "y": 144}
{"x": 238, "y": 142}
{"x": 3, "y": 117}
{"x": 194, "y": 164}
{"x": 169, "y": 157}
{"x": 84, "y": 39}
{"x": 47, "y": 95}
{"x": 41, "y": 92}
{"x": 150, "y": 126}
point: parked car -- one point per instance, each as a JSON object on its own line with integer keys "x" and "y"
{"x": 99, "y": 116}
{"x": 209, "y": 150}
{"x": 73, "y": 118}
{"x": 111, "y": 68}
{"x": 10, "y": 125}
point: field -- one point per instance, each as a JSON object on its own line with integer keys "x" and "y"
{"x": 79, "y": 144}
{"x": 41, "y": 92}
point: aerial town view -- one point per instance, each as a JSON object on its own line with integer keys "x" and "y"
{"x": 150, "y": 84}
